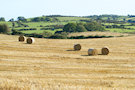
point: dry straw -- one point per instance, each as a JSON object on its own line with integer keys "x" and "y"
{"x": 92, "y": 52}
{"x": 21, "y": 38}
{"x": 77, "y": 47}
{"x": 105, "y": 50}
{"x": 30, "y": 40}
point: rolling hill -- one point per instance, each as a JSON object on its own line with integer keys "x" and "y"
{"x": 52, "y": 64}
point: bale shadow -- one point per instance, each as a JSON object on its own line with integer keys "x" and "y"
{"x": 100, "y": 54}
{"x": 103, "y": 54}
{"x": 92, "y": 55}
{"x": 70, "y": 50}
{"x": 27, "y": 44}
{"x": 86, "y": 55}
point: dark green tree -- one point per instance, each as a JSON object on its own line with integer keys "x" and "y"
{"x": 13, "y": 24}
{"x": 80, "y": 28}
{"x": 48, "y": 19}
{"x": 4, "y": 28}
{"x": 42, "y": 19}
{"x": 70, "y": 27}
{"x": 124, "y": 19}
{"x": 36, "y": 19}
{"x": 2, "y": 19}
{"x": 11, "y": 20}
{"x": 23, "y": 19}
{"x": 94, "y": 26}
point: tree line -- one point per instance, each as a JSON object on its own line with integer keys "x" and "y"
{"x": 83, "y": 27}
{"x": 53, "y": 18}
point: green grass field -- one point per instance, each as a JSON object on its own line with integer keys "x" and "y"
{"x": 40, "y": 31}
{"x": 133, "y": 27}
{"x": 65, "y": 20}
{"x": 8, "y": 23}
{"x": 70, "y": 19}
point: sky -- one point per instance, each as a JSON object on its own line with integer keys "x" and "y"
{"x": 33, "y": 8}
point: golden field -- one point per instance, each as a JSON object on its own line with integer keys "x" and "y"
{"x": 94, "y": 33}
{"x": 51, "y": 64}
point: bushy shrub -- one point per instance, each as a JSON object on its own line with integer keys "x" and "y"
{"x": 94, "y": 26}
{"x": 4, "y": 28}
{"x": 2, "y": 19}
{"x": 70, "y": 27}
{"x": 21, "y": 18}
{"x": 80, "y": 28}
{"x": 41, "y": 26}
{"x": 58, "y": 32}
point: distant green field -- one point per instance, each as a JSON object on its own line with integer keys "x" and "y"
{"x": 8, "y": 23}
{"x": 115, "y": 24}
{"x": 37, "y": 24}
{"x": 64, "y": 20}
{"x": 40, "y": 31}
{"x": 133, "y": 27}
{"x": 70, "y": 19}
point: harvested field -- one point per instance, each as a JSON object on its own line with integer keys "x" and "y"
{"x": 98, "y": 33}
{"x": 53, "y": 64}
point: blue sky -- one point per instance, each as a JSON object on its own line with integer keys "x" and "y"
{"x": 32, "y": 8}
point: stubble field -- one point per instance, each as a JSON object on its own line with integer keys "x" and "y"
{"x": 52, "y": 64}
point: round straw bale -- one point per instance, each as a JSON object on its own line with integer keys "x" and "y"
{"x": 21, "y": 38}
{"x": 92, "y": 52}
{"x": 77, "y": 47}
{"x": 30, "y": 40}
{"x": 105, "y": 51}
